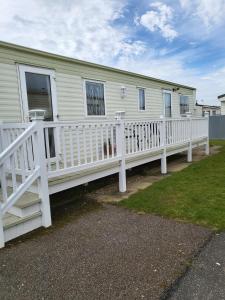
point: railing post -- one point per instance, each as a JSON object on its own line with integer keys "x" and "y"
{"x": 189, "y": 152}
{"x": 120, "y": 148}
{"x": 207, "y": 139}
{"x": 1, "y": 137}
{"x": 2, "y": 237}
{"x": 163, "y": 145}
{"x": 40, "y": 158}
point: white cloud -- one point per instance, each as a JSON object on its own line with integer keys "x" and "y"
{"x": 159, "y": 18}
{"x": 85, "y": 29}
{"x": 211, "y": 12}
{"x": 81, "y": 29}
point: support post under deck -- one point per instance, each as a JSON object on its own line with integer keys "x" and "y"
{"x": 120, "y": 146}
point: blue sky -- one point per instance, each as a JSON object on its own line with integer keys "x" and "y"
{"x": 177, "y": 40}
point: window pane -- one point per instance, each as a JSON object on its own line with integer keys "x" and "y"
{"x": 184, "y": 104}
{"x": 141, "y": 99}
{"x": 167, "y": 100}
{"x": 39, "y": 93}
{"x": 95, "y": 98}
{"x": 39, "y": 97}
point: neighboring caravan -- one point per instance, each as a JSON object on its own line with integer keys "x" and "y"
{"x": 70, "y": 89}
{"x": 221, "y": 98}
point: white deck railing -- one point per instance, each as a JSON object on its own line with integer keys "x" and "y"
{"x": 18, "y": 157}
{"x": 10, "y": 132}
{"x": 60, "y": 148}
{"x": 72, "y": 147}
{"x": 21, "y": 163}
{"x": 40, "y": 150}
{"x": 75, "y": 146}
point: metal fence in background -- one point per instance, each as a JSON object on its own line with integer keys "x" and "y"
{"x": 217, "y": 127}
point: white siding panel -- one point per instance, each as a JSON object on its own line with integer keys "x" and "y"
{"x": 69, "y": 88}
{"x": 9, "y": 94}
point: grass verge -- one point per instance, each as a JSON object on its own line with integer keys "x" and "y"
{"x": 195, "y": 194}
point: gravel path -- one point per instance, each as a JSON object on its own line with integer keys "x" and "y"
{"x": 105, "y": 253}
{"x": 206, "y": 278}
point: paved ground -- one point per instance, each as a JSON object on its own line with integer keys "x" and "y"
{"x": 103, "y": 252}
{"x": 206, "y": 278}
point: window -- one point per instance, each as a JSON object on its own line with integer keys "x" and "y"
{"x": 184, "y": 104}
{"x": 167, "y": 102}
{"x": 141, "y": 99}
{"x": 39, "y": 93}
{"x": 95, "y": 98}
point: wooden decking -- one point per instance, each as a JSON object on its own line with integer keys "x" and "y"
{"x": 31, "y": 170}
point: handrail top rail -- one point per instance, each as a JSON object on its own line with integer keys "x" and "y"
{"x": 49, "y": 124}
{"x": 77, "y": 123}
{"x": 112, "y": 121}
{"x": 17, "y": 143}
{"x": 12, "y": 125}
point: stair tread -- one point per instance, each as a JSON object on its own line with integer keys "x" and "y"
{"x": 27, "y": 199}
{"x": 10, "y": 220}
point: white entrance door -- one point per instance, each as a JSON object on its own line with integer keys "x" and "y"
{"x": 38, "y": 91}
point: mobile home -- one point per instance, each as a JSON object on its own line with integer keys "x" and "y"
{"x": 70, "y": 89}
{"x": 66, "y": 122}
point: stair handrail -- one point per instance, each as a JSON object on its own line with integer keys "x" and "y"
{"x": 5, "y": 157}
{"x": 6, "y": 153}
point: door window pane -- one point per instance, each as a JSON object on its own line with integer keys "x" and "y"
{"x": 39, "y": 97}
{"x": 184, "y": 104}
{"x": 39, "y": 93}
{"x": 167, "y": 101}
{"x": 95, "y": 98}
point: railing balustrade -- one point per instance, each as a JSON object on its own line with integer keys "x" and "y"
{"x": 41, "y": 150}
{"x": 60, "y": 148}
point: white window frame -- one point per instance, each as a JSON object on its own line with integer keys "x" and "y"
{"x": 85, "y": 98}
{"x": 22, "y": 69}
{"x": 188, "y": 103}
{"x": 141, "y": 88}
{"x": 164, "y": 91}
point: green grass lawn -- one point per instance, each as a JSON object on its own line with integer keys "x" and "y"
{"x": 195, "y": 194}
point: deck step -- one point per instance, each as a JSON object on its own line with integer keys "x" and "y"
{"x": 28, "y": 204}
{"x": 14, "y": 226}
{"x": 24, "y": 216}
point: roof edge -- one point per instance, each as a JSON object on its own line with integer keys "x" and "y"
{"x": 87, "y": 63}
{"x": 221, "y": 96}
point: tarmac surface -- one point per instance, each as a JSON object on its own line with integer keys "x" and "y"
{"x": 102, "y": 252}
{"x": 206, "y": 277}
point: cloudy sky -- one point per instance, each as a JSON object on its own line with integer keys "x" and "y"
{"x": 177, "y": 40}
